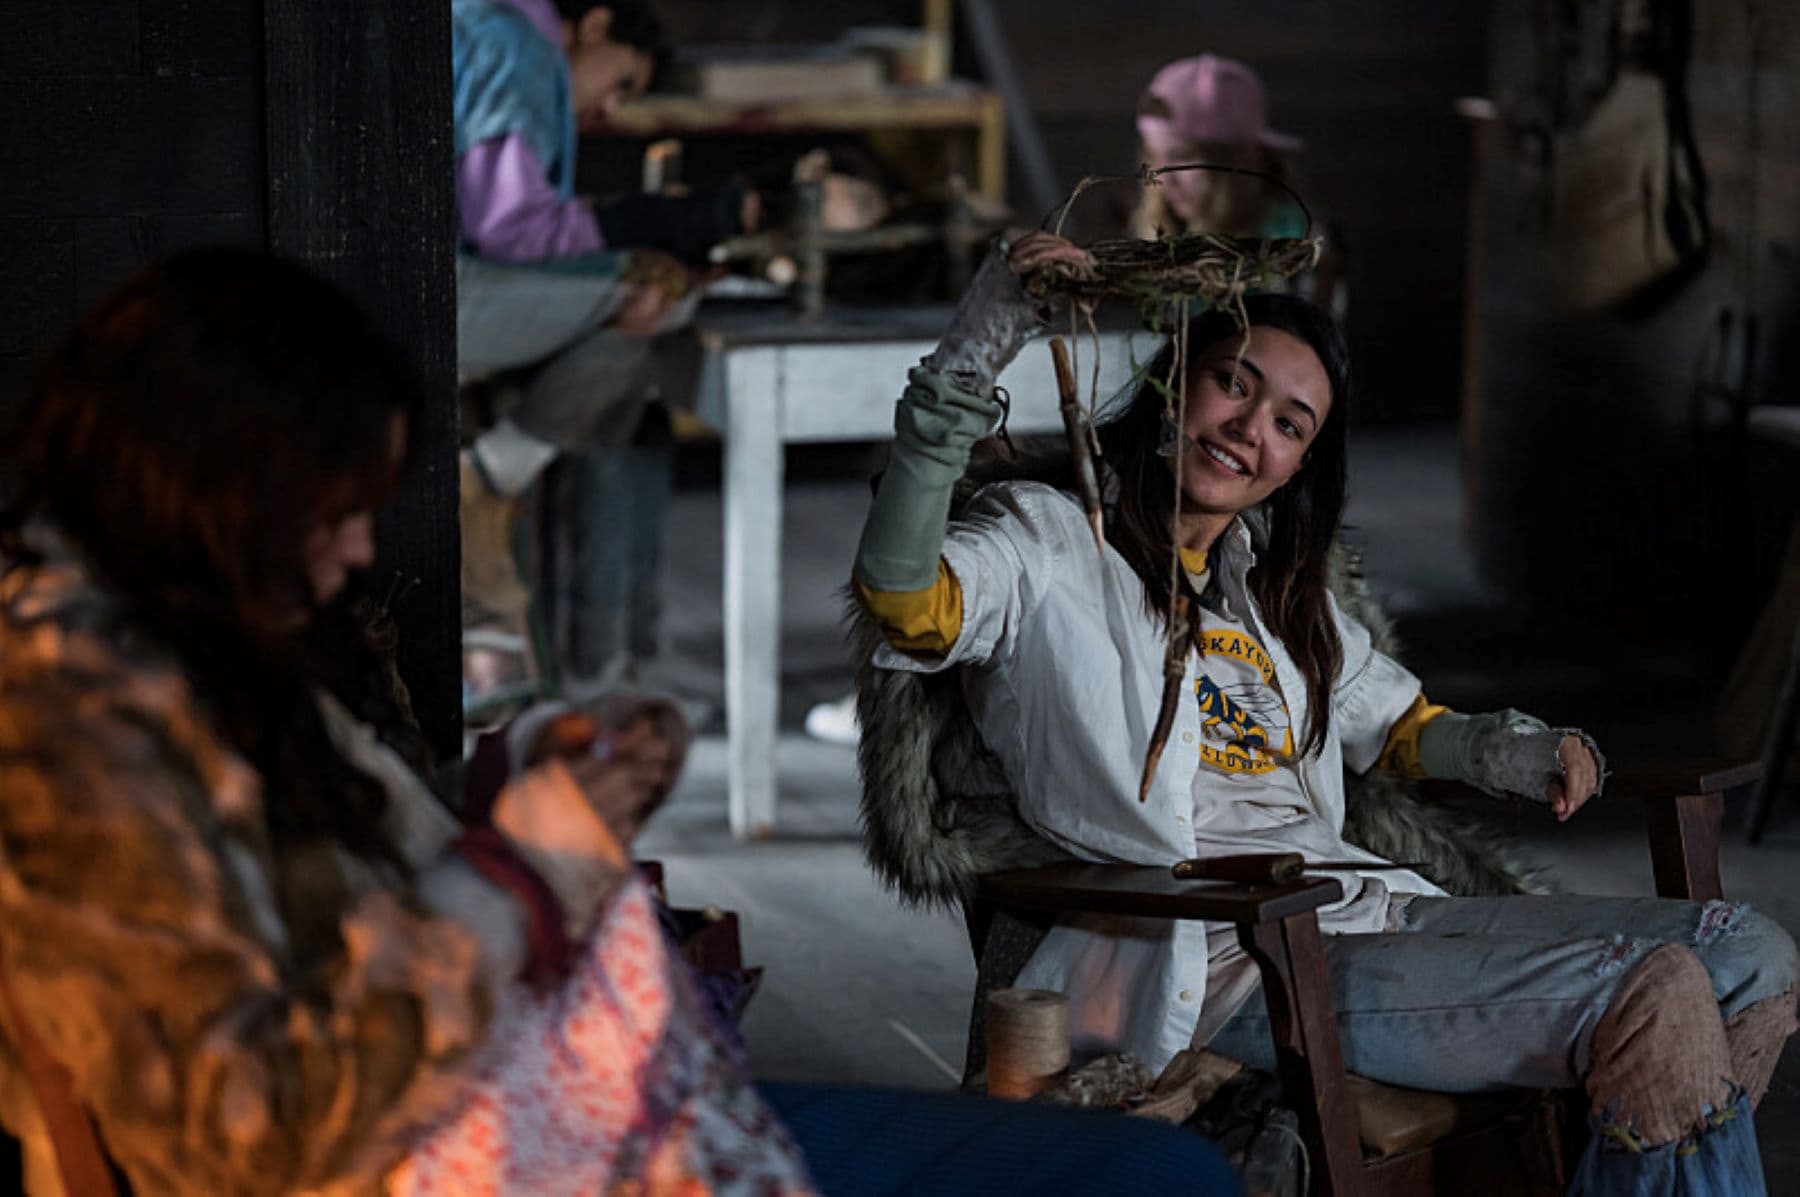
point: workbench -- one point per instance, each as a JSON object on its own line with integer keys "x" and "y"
{"x": 973, "y": 115}
{"x": 768, "y": 381}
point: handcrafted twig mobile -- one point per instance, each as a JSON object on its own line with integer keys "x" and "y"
{"x": 1169, "y": 279}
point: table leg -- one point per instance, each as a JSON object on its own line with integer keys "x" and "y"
{"x": 754, "y": 466}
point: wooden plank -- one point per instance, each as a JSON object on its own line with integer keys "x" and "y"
{"x": 41, "y": 38}
{"x": 15, "y": 376}
{"x": 1674, "y": 779}
{"x": 39, "y": 297}
{"x": 201, "y": 37}
{"x": 1152, "y": 891}
{"x": 358, "y": 128}
{"x": 954, "y": 107}
{"x": 99, "y": 147}
{"x": 108, "y": 249}
{"x": 769, "y": 76}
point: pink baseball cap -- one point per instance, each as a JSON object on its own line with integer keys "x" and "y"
{"x": 1209, "y": 99}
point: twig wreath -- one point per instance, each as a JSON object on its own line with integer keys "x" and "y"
{"x": 1170, "y": 279}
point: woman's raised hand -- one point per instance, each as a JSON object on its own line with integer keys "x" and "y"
{"x": 1580, "y": 778}
{"x": 1037, "y": 249}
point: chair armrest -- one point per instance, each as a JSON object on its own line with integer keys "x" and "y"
{"x": 1684, "y": 805}
{"x": 1151, "y": 891}
{"x": 1684, "y": 779}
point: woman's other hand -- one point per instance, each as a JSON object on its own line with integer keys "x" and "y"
{"x": 1580, "y": 778}
{"x": 624, "y": 753}
{"x": 654, "y": 283}
{"x": 643, "y": 310}
{"x": 546, "y": 816}
{"x": 1510, "y": 752}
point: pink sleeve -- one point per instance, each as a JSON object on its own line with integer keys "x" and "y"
{"x": 508, "y": 210}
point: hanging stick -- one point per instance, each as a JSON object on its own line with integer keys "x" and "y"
{"x": 1080, "y": 447}
{"x": 1175, "y": 649}
{"x": 1174, "y": 674}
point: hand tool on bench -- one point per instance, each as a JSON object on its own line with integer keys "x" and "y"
{"x": 1272, "y": 868}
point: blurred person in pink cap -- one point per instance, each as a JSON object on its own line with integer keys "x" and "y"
{"x": 1214, "y": 110}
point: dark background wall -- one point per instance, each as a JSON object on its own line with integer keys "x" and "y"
{"x": 1605, "y": 480}
{"x": 1592, "y": 484}
{"x": 127, "y": 128}
{"x": 1370, "y": 85}
{"x": 318, "y": 128}
{"x": 131, "y": 127}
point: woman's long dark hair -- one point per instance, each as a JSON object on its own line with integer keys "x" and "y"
{"x": 186, "y": 437}
{"x": 1288, "y": 580}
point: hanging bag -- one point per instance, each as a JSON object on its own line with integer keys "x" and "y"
{"x": 1627, "y": 202}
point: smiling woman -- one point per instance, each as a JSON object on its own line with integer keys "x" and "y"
{"x": 1267, "y": 406}
{"x": 1205, "y": 623}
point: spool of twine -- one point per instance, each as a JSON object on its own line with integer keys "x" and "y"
{"x": 1027, "y": 1041}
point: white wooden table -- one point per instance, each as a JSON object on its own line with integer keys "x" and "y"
{"x": 768, "y": 381}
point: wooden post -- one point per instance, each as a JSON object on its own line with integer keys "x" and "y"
{"x": 990, "y": 149}
{"x": 358, "y": 126}
{"x": 1480, "y": 118}
{"x": 938, "y": 28}
{"x": 1684, "y": 846}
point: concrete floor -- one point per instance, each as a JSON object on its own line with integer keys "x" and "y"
{"x": 858, "y": 989}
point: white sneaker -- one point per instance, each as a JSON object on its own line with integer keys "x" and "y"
{"x": 835, "y": 722}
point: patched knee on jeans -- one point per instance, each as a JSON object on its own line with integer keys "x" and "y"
{"x": 1661, "y": 1068}
{"x": 1751, "y": 956}
{"x": 1756, "y": 1036}
{"x": 1620, "y": 953}
{"x": 1718, "y": 918}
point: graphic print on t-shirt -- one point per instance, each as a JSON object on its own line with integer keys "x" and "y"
{"x": 1244, "y": 722}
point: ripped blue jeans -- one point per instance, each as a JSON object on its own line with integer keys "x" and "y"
{"x": 1474, "y": 995}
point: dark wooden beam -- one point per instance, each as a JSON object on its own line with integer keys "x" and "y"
{"x": 359, "y": 185}
{"x": 90, "y": 146}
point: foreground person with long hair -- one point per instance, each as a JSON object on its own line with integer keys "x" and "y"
{"x": 1672, "y": 1014}
{"x": 259, "y": 952}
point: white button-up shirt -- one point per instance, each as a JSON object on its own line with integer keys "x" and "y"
{"x": 1063, "y": 671}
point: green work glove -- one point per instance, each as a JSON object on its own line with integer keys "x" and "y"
{"x": 935, "y": 425}
{"x": 1501, "y": 753}
{"x": 949, "y": 404}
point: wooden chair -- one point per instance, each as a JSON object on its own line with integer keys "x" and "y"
{"x": 1437, "y": 1144}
